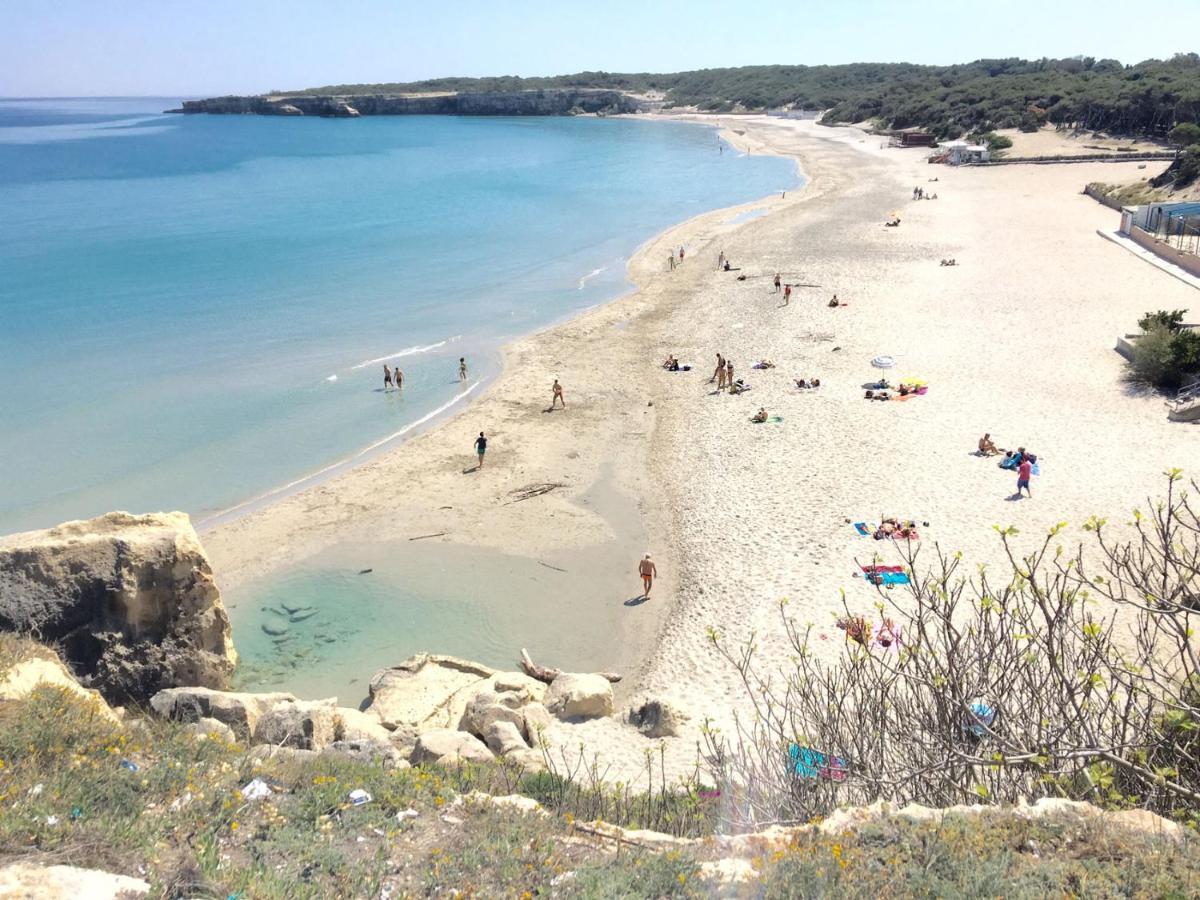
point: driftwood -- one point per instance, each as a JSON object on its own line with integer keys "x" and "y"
{"x": 421, "y": 537}
{"x": 546, "y": 674}
{"x": 533, "y": 490}
{"x": 548, "y": 566}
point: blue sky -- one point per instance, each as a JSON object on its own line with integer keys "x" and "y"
{"x": 201, "y": 47}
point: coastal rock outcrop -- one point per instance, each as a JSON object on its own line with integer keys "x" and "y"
{"x": 129, "y": 599}
{"x": 35, "y": 666}
{"x": 656, "y": 718}
{"x": 26, "y": 879}
{"x": 549, "y": 102}
{"x": 239, "y": 711}
{"x": 425, "y": 692}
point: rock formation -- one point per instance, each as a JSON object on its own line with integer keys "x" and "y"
{"x": 129, "y": 600}
{"x": 34, "y": 666}
{"x": 562, "y": 102}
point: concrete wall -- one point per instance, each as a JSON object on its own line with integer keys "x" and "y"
{"x": 1186, "y": 261}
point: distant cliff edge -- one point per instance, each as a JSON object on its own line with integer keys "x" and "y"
{"x": 491, "y": 103}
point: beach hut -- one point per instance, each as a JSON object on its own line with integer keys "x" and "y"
{"x": 961, "y": 153}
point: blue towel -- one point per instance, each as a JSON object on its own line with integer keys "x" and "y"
{"x": 810, "y": 763}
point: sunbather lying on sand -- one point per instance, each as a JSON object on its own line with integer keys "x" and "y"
{"x": 877, "y": 395}
{"x": 808, "y": 385}
{"x": 949, "y": 262}
{"x": 763, "y": 364}
{"x": 986, "y": 447}
{"x": 760, "y": 416}
{"x": 739, "y": 387}
{"x": 670, "y": 363}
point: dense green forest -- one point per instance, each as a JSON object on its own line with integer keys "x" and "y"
{"x": 1147, "y": 98}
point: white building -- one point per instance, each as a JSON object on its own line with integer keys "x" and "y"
{"x": 961, "y": 153}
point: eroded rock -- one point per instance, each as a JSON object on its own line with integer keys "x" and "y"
{"x": 42, "y": 667}
{"x": 503, "y": 738}
{"x": 67, "y": 883}
{"x": 303, "y": 724}
{"x": 656, "y": 718}
{"x": 425, "y": 691}
{"x": 579, "y": 696}
{"x": 239, "y": 711}
{"x": 447, "y": 746}
{"x": 129, "y": 599}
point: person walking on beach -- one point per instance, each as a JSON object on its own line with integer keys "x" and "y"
{"x": 721, "y": 260}
{"x": 480, "y": 449}
{"x": 648, "y": 572}
{"x": 787, "y": 294}
{"x": 398, "y": 378}
{"x": 387, "y": 377}
{"x": 681, "y": 254}
{"x": 1024, "y": 470}
{"x": 719, "y": 374}
{"x": 462, "y": 368}
{"x": 729, "y": 374}
{"x": 557, "y": 396}
{"x": 671, "y": 261}
{"x": 777, "y": 282}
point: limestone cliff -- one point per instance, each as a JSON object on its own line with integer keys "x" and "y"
{"x": 492, "y": 103}
{"x": 129, "y": 601}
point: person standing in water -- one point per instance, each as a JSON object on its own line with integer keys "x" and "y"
{"x": 462, "y": 368}
{"x": 557, "y": 396}
{"x": 480, "y": 449}
{"x": 387, "y": 377}
{"x": 649, "y": 572}
{"x": 398, "y": 378}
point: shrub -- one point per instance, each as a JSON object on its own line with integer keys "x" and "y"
{"x": 1165, "y": 353}
{"x": 1011, "y": 685}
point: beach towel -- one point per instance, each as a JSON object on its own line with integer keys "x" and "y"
{"x": 1010, "y": 464}
{"x": 810, "y": 763}
{"x": 883, "y": 568}
{"x": 863, "y": 529}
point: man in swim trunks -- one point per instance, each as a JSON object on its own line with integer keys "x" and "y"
{"x": 719, "y": 374}
{"x": 1024, "y": 470}
{"x": 462, "y": 368}
{"x": 648, "y": 572}
{"x": 777, "y": 282}
{"x": 398, "y": 378}
{"x": 387, "y": 377}
{"x": 480, "y": 448}
{"x": 558, "y": 395}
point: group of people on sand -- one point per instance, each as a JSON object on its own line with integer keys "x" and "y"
{"x": 672, "y": 262}
{"x": 919, "y": 193}
{"x": 1020, "y": 461}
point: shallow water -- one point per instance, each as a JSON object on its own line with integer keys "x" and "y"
{"x": 194, "y": 310}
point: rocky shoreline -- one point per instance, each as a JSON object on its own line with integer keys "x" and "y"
{"x": 490, "y": 103}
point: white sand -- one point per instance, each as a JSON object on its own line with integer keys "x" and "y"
{"x": 1016, "y": 340}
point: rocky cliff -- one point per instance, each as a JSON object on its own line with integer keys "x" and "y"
{"x": 129, "y": 601}
{"x": 492, "y": 103}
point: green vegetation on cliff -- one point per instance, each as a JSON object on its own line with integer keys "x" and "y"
{"x": 1147, "y": 98}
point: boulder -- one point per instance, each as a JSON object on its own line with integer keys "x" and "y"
{"x": 529, "y": 760}
{"x": 25, "y": 879}
{"x": 425, "y": 691}
{"x": 656, "y": 718}
{"x": 262, "y": 752}
{"x": 537, "y": 719}
{"x": 447, "y": 746}
{"x": 503, "y": 738}
{"x": 240, "y": 712}
{"x": 577, "y": 696}
{"x": 208, "y": 728}
{"x": 518, "y": 681}
{"x": 129, "y": 599}
{"x": 303, "y": 724}
{"x": 367, "y": 751}
{"x": 39, "y": 666}
{"x": 356, "y": 725}
{"x": 488, "y": 707}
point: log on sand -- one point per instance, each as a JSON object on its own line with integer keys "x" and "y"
{"x": 546, "y": 674}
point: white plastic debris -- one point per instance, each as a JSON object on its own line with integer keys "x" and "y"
{"x": 406, "y": 814}
{"x": 358, "y": 797}
{"x": 36, "y": 790}
{"x": 257, "y": 789}
{"x": 51, "y": 820}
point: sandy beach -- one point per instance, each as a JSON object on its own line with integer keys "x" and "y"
{"x": 1016, "y": 340}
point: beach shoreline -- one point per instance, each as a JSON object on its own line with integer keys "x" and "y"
{"x": 741, "y": 516}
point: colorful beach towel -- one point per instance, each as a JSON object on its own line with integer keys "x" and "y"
{"x": 810, "y": 763}
{"x": 863, "y": 529}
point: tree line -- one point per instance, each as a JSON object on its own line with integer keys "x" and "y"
{"x": 1146, "y": 98}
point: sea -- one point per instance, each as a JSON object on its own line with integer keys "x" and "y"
{"x": 195, "y": 311}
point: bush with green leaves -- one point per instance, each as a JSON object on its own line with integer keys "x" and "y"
{"x": 1165, "y": 354}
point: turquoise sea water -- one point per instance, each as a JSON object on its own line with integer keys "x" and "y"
{"x": 195, "y": 310}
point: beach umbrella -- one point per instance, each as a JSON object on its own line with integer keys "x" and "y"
{"x": 883, "y": 362}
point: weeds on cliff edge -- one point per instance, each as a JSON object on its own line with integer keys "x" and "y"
{"x": 1073, "y": 672}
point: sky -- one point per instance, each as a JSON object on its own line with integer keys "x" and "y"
{"x": 187, "y": 48}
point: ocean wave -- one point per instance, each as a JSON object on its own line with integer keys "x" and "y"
{"x": 407, "y": 351}
{"x": 589, "y": 276}
{"x": 313, "y": 477}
